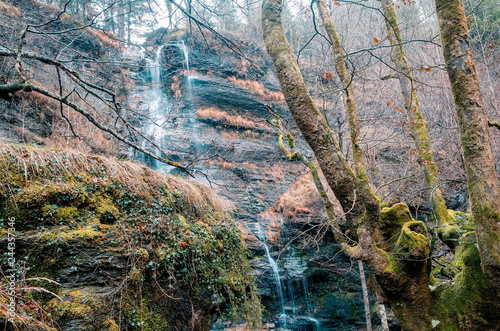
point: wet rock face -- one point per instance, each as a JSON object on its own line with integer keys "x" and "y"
{"x": 243, "y": 162}
{"x": 209, "y": 91}
{"x": 94, "y": 278}
{"x": 24, "y": 124}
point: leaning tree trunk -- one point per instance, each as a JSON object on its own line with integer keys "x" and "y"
{"x": 474, "y": 134}
{"x": 418, "y": 127}
{"x": 309, "y": 119}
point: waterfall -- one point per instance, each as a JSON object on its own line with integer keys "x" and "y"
{"x": 276, "y": 273}
{"x": 185, "y": 52}
{"x": 286, "y": 279}
{"x": 183, "y": 48}
{"x": 158, "y": 106}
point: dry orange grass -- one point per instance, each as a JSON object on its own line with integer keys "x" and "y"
{"x": 46, "y": 5}
{"x": 229, "y": 135}
{"x": 45, "y": 103}
{"x": 215, "y": 114}
{"x": 105, "y": 38}
{"x": 301, "y": 198}
{"x": 64, "y": 164}
{"x": 227, "y": 165}
{"x": 257, "y": 88}
{"x": 251, "y": 134}
{"x": 9, "y": 9}
{"x": 234, "y": 135}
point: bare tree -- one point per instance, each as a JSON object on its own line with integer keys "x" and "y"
{"x": 395, "y": 247}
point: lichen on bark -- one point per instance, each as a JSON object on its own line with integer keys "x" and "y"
{"x": 474, "y": 134}
{"x": 418, "y": 129}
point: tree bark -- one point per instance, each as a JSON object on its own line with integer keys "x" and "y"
{"x": 309, "y": 119}
{"x": 366, "y": 300}
{"x": 474, "y": 134}
{"x": 401, "y": 282}
{"x": 366, "y": 193}
{"x": 418, "y": 128}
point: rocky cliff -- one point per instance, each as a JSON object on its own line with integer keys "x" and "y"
{"x": 215, "y": 116}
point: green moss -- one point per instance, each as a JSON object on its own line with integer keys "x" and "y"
{"x": 105, "y": 209}
{"x": 59, "y": 235}
{"x": 391, "y": 268}
{"x": 391, "y": 222}
{"x": 192, "y": 245}
{"x": 66, "y": 213}
{"x": 110, "y": 325}
{"x": 75, "y": 305}
{"x": 142, "y": 254}
{"x": 470, "y": 303}
{"x": 413, "y": 241}
{"x": 140, "y": 315}
{"x": 135, "y": 276}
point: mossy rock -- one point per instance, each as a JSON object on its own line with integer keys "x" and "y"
{"x": 94, "y": 227}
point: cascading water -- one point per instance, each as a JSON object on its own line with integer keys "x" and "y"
{"x": 275, "y": 269}
{"x": 157, "y": 105}
{"x": 291, "y": 289}
{"x": 297, "y": 300}
{"x": 183, "y": 48}
{"x": 294, "y": 307}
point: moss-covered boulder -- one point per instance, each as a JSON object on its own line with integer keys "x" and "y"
{"x": 109, "y": 245}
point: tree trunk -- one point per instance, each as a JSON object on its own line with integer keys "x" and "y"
{"x": 474, "y": 134}
{"x": 309, "y": 119}
{"x": 365, "y": 191}
{"x": 418, "y": 127}
{"x": 366, "y": 300}
{"x": 402, "y": 282}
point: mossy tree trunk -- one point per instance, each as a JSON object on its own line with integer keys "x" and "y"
{"x": 418, "y": 128}
{"x": 395, "y": 247}
{"x": 309, "y": 119}
{"x": 366, "y": 193}
{"x": 403, "y": 282}
{"x": 474, "y": 134}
